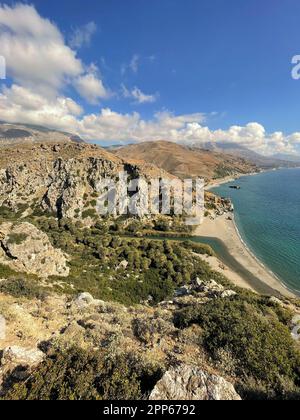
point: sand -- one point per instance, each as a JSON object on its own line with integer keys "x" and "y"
{"x": 260, "y": 279}
{"x": 227, "y": 179}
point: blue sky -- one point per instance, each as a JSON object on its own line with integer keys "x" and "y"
{"x": 229, "y": 60}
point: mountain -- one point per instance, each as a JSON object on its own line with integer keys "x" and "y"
{"x": 264, "y": 162}
{"x": 29, "y": 134}
{"x": 186, "y": 162}
{"x": 61, "y": 178}
{"x": 92, "y": 309}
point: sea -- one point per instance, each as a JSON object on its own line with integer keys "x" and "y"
{"x": 267, "y": 214}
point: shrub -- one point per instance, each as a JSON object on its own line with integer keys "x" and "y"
{"x": 89, "y": 213}
{"x": 198, "y": 248}
{"x": 17, "y": 238}
{"x": 22, "y": 288}
{"x": 77, "y": 374}
{"x": 261, "y": 345}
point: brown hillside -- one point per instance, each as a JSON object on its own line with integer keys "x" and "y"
{"x": 186, "y": 162}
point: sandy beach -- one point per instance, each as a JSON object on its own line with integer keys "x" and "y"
{"x": 260, "y": 278}
{"x": 218, "y": 182}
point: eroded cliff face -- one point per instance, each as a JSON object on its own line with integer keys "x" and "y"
{"x": 61, "y": 178}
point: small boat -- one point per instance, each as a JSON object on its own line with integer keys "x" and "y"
{"x": 235, "y": 187}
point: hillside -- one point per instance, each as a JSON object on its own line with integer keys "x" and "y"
{"x": 61, "y": 178}
{"x": 186, "y": 162}
{"x": 11, "y": 134}
{"x": 139, "y": 318}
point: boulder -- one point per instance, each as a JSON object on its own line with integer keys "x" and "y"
{"x": 24, "y": 248}
{"x": 189, "y": 383}
{"x": 211, "y": 287}
{"x": 85, "y": 300}
{"x": 183, "y": 291}
{"x": 123, "y": 265}
{"x": 19, "y": 356}
{"x": 275, "y": 301}
{"x": 228, "y": 294}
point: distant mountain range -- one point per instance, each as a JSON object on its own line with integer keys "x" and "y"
{"x": 275, "y": 161}
{"x": 28, "y": 134}
{"x": 210, "y": 160}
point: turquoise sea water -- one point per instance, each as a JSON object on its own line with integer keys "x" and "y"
{"x": 267, "y": 213}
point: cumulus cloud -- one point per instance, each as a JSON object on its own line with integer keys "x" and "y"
{"x": 36, "y": 54}
{"x": 42, "y": 66}
{"x": 138, "y": 96}
{"x": 91, "y": 88}
{"x": 82, "y": 36}
{"x": 18, "y": 104}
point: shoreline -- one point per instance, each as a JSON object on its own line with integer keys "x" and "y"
{"x": 231, "y": 178}
{"x": 260, "y": 278}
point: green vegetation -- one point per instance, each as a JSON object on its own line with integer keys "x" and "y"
{"x": 17, "y": 238}
{"x": 246, "y": 337}
{"x": 20, "y": 287}
{"x": 155, "y": 267}
{"x": 77, "y": 374}
{"x": 222, "y": 171}
{"x": 254, "y": 335}
{"x": 89, "y": 213}
{"x": 201, "y": 249}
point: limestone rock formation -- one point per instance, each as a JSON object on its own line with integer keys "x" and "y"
{"x": 19, "y": 356}
{"x": 17, "y": 363}
{"x": 191, "y": 383}
{"x": 62, "y": 179}
{"x": 25, "y": 248}
{"x": 85, "y": 300}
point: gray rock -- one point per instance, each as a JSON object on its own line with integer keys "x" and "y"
{"x": 211, "y": 287}
{"x": 86, "y": 299}
{"x": 19, "y": 356}
{"x": 123, "y": 265}
{"x": 183, "y": 291}
{"x": 228, "y": 294}
{"x": 189, "y": 383}
{"x": 27, "y": 249}
{"x": 276, "y": 301}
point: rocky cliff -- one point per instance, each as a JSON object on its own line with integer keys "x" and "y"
{"x": 61, "y": 178}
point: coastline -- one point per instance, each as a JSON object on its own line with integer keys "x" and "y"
{"x": 261, "y": 279}
{"x": 218, "y": 182}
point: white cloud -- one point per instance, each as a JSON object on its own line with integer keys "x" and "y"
{"x": 82, "y": 36}
{"x": 36, "y": 54}
{"x": 34, "y": 49}
{"x": 91, "y": 88}
{"x": 134, "y": 63}
{"x": 19, "y": 104}
{"x": 42, "y": 66}
{"x": 142, "y": 98}
{"x": 138, "y": 96}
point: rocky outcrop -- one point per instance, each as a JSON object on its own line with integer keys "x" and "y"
{"x": 218, "y": 206}
{"x": 17, "y": 363}
{"x": 191, "y": 383}
{"x": 19, "y": 356}
{"x": 25, "y": 248}
{"x": 62, "y": 179}
{"x": 85, "y": 300}
{"x": 213, "y": 289}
